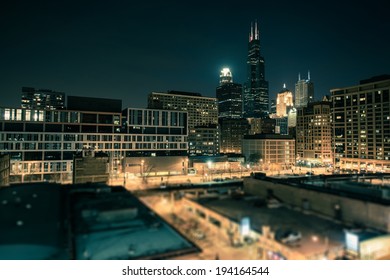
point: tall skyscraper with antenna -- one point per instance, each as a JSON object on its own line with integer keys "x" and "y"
{"x": 255, "y": 97}
{"x": 304, "y": 91}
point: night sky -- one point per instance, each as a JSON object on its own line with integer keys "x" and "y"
{"x": 126, "y": 49}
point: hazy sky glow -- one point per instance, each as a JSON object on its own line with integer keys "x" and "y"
{"x": 126, "y": 49}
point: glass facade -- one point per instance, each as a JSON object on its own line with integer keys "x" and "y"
{"x": 42, "y": 142}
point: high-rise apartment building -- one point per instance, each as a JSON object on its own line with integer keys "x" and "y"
{"x": 304, "y": 91}
{"x": 229, "y": 96}
{"x": 255, "y": 97}
{"x": 314, "y": 133}
{"x": 361, "y": 125}
{"x": 42, "y": 99}
{"x": 203, "y": 136}
{"x": 284, "y": 102}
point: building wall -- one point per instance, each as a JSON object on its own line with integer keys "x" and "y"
{"x": 314, "y": 133}
{"x": 202, "y": 113}
{"x": 370, "y": 214}
{"x": 155, "y": 166}
{"x": 258, "y": 126}
{"x": 42, "y": 99}
{"x": 41, "y": 143}
{"x": 4, "y": 170}
{"x": 232, "y": 133}
{"x": 361, "y": 126}
{"x": 88, "y": 168}
{"x": 304, "y": 92}
{"x": 283, "y": 103}
{"x": 203, "y": 140}
{"x": 280, "y": 152}
{"x": 229, "y": 100}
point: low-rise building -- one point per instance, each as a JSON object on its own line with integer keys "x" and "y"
{"x": 273, "y": 152}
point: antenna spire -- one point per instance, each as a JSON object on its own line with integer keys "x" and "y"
{"x": 256, "y": 31}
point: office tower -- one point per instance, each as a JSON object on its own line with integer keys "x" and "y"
{"x": 232, "y": 132}
{"x": 281, "y": 125}
{"x": 292, "y": 117}
{"x": 203, "y": 136}
{"x": 273, "y": 107}
{"x": 304, "y": 91}
{"x": 314, "y": 133}
{"x": 42, "y": 99}
{"x": 255, "y": 98}
{"x": 284, "y": 102}
{"x": 232, "y": 125}
{"x": 361, "y": 125}
{"x": 259, "y": 126}
{"x": 229, "y": 96}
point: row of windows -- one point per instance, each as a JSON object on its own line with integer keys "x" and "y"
{"x": 380, "y": 96}
{"x": 157, "y": 118}
{"x": 31, "y": 115}
{"x": 12, "y": 137}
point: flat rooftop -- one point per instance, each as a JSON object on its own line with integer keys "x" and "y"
{"x": 318, "y": 234}
{"x": 32, "y": 220}
{"x": 119, "y": 226}
{"x": 365, "y": 187}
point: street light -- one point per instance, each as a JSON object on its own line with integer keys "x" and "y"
{"x": 142, "y": 167}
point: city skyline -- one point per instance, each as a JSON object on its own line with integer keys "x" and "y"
{"x": 126, "y": 52}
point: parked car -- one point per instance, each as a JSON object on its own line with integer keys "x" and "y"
{"x": 291, "y": 236}
{"x": 273, "y": 203}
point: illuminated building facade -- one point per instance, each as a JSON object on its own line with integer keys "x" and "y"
{"x": 4, "y": 170}
{"x": 232, "y": 133}
{"x": 276, "y": 152}
{"x": 314, "y": 133}
{"x": 284, "y": 102}
{"x": 259, "y": 126}
{"x": 255, "y": 97}
{"x": 229, "y": 96}
{"x": 42, "y": 143}
{"x": 361, "y": 125}
{"x": 203, "y": 131}
{"x": 304, "y": 91}
{"x": 42, "y": 99}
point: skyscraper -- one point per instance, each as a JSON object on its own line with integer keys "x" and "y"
{"x": 304, "y": 91}
{"x": 229, "y": 96}
{"x": 284, "y": 102}
{"x": 256, "y": 98}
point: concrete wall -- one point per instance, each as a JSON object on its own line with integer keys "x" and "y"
{"x": 351, "y": 211}
{"x": 90, "y": 169}
{"x": 156, "y": 166}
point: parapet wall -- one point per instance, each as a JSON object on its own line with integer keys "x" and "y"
{"x": 336, "y": 207}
